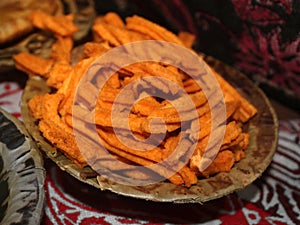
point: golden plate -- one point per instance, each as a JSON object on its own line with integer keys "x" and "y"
{"x": 263, "y": 130}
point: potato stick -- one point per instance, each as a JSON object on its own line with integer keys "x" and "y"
{"x": 125, "y": 36}
{"x": 137, "y": 140}
{"x": 94, "y": 49}
{"x": 41, "y": 66}
{"x": 191, "y": 86}
{"x": 158, "y": 70}
{"x": 104, "y": 105}
{"x": 103, "y": 118}
{"x": 170, "y": 145}
{"x": 205, "y": 124}
{"x": 102, "y": 30}
{"x": 222, "y": 163}
{"x": 87, "y": 95}
{"x": 165, "y": 85}
{"x": 202, "y": 126}
{"x": 236, "y": 141}
{"x": 154, "y": 154}
{"x": 203, "y": 109}
{"x": 170, "y": 114}
{"x": 35, "y": 105}
{"x": 246, "y": 109}
{"x": 198, "y": 98}
{"x": 173, "y": 126}
{"x": 123, "y": 74}
{"x": 113, "y": 19}
{"x": 176, "y": 179}
{"x": 114, "y": 81}
{"x": 61, "y": 25}
{"x": 241, "y": 142}
{"x": 147, "y": 27}
{"x": 232, "y": 106}
{"x": 232, "y": 131}
{"x": 181, "y": 151}
{"x": 157, "y": 126}
{"x": 109, "y": 94}
{"x": 197, "y": 155}
{"x": 69, "y": 86}
{"x": 56, "y": 131}
{"x": 188, "y": 176}
{"x": 58, "y": 74}
{"x": 61, "y": 49}
{"x": 145, "y": 106}
{"x": 186, "y": 38}
{"x": 246, "y": 140}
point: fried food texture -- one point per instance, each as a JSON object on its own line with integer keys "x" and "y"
{"x": 148, "y": 115}
{"x": 61, "y": 25}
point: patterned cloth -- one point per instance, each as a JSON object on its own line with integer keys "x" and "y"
{"x": 272, "y": 199}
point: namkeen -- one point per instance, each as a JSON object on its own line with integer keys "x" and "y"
{"x": 54, "y": 110}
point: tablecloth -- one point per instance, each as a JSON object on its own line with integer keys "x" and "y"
{"x": 274, "y": 198}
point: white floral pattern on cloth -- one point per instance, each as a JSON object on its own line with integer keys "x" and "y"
{"x": 63, "y": 209}
{"x": 273, "y": 199}
{"x": 10, "y": 96}
{"x": 278, "y": 192}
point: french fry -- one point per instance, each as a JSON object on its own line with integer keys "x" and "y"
{"x": 61, "y": 25}
{"x": 187, "y": 38}
{"x": 61, "y": 49}
{"x": 151, "y": 29}
{"x": 114, "y": 19}
{"x": 41, "y": 66}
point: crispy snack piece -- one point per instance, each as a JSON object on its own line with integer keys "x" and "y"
{"x": 114, "y": 19}
{"x": 24, "y": 62}
{"x": 246, "y": 109}
{"x": 61, "y": 25}
{"x": 94, "y": 49}
{"x": 187, "y": 38}
{"x": 53, "y": 126}
{"x": 151, "y": 29}
{"x": 61, "y": 49}
{"x": 58, "y": 74}
{"x": 222, "y": 163}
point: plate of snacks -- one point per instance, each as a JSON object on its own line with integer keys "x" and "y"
{"x": 111, "y": 100}
{"x": 21, "y": 174}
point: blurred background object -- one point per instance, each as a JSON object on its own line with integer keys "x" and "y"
{"x": 17, "y": 34}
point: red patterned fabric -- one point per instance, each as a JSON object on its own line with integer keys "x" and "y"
{"x": 272, "y": 199}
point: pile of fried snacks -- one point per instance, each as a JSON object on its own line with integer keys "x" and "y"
{"x": 54, "y": 110}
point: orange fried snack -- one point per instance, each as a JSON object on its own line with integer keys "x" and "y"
{"x": 55, "y": 111}
{"x": 32, "y": 64}
{"x": 61, "y": 25}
